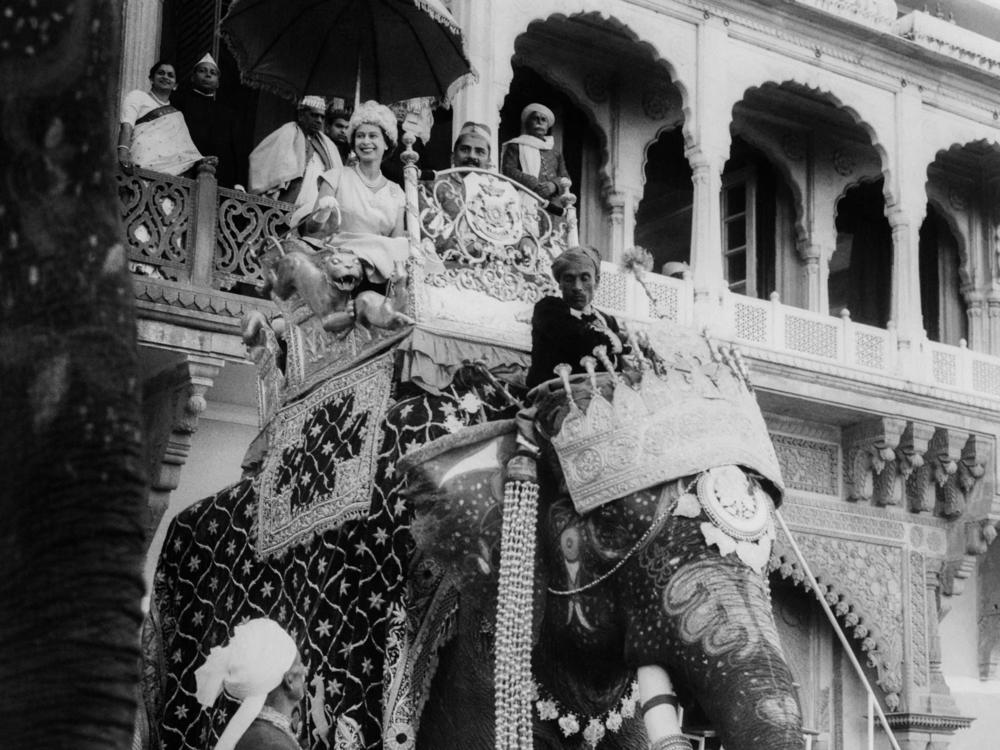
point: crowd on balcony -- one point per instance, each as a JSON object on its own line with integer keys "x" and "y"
{"x": 172, "y": 126}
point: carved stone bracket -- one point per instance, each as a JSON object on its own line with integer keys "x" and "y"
{"x": 943, "y": 456}
{"x": 871, "y": 460}
{"x": 172, "y": 403}
{"x": 912, "y": 467}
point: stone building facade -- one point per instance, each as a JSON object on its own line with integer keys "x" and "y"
{"x": 830, "y": 172}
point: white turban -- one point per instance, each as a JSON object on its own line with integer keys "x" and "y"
{"x": 249, "y": 667}
{"x": 541, "y": 109}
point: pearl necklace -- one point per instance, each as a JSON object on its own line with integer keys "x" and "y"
{"x": 373, "y": 185}
{"x": 162, "y": 102}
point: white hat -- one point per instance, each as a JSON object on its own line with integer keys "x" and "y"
{"x": 249, "y": 667}
{"x": 317, "y": 103}
{"x": 541, "y": 109}
{"x": 373, "y": 113}
{"x": 208, "y": 59}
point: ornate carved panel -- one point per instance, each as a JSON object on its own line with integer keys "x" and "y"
{"x": 862, "y": 584}
{"x": 808, "y": 465}
{"x": 918, "y": 621}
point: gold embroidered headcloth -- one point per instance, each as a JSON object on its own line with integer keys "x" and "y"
{"x": 684, "y": 409}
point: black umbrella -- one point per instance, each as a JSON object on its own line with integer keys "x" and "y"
{"x": 387, "y": 50}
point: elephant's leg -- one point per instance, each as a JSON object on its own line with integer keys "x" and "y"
{"x": 707, "y": 620}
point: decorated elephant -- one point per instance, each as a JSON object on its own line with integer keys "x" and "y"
{"x": 655, "y": 494}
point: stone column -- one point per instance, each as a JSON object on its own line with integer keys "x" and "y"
{"x": 141, "y": 36}
{"x": 706, "y": 228}
{"x": 710, "y": 139}
{"x": 905, "y": 307}
{"x": 939, "y": 700}
{"x": 172, "y": 403}
{"x": 479, "y": 102}
{"x": 906, "y": 209}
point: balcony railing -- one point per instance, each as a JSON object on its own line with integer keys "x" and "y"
{"x": 809, "y": 340}
{"x": 193, "y": 231}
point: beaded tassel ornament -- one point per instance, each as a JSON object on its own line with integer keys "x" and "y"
{"x": 513, "y": 680}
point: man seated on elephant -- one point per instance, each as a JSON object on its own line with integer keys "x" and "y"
{"x": 567, "y": 328}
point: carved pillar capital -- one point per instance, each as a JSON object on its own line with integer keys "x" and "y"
{"x": 705, "y": 162}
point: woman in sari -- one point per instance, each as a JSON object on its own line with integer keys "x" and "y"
{"x": 153, "y": 134}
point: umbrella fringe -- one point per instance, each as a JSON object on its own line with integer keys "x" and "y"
{"x": 442, "y": 19}
{"x": 458, "y": 86}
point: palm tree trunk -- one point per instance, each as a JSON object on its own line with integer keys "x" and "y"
{"x": 71, "y": 481}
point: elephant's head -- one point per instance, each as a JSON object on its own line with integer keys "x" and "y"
{"x": 655, "y": 503}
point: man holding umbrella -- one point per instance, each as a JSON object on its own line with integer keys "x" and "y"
{"x": 286, "y": 165}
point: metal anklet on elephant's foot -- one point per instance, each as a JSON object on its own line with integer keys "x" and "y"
{"x": 672, "y": 742}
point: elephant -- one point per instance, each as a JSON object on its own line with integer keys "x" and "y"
{"x": 655, "y": 576}
{"x": 659, "y": 571}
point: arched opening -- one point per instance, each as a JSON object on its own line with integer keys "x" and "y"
{"x": 663, "y": 221}
{"x": 861, "y": 266}
{"x": 941, "y": 302}
{"x": 758, "y": 238}
{"x": 574, "y": 136}
{"x": 806, "y": 147}
{"x": 958, "y": 244}
{"x": 610, "y": 93}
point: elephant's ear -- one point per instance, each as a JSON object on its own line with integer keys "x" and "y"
{"x": 455, "y": 486}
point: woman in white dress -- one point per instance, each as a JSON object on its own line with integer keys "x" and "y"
{"x": 153, "y": 134}
{"x": 371, "y": 206}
